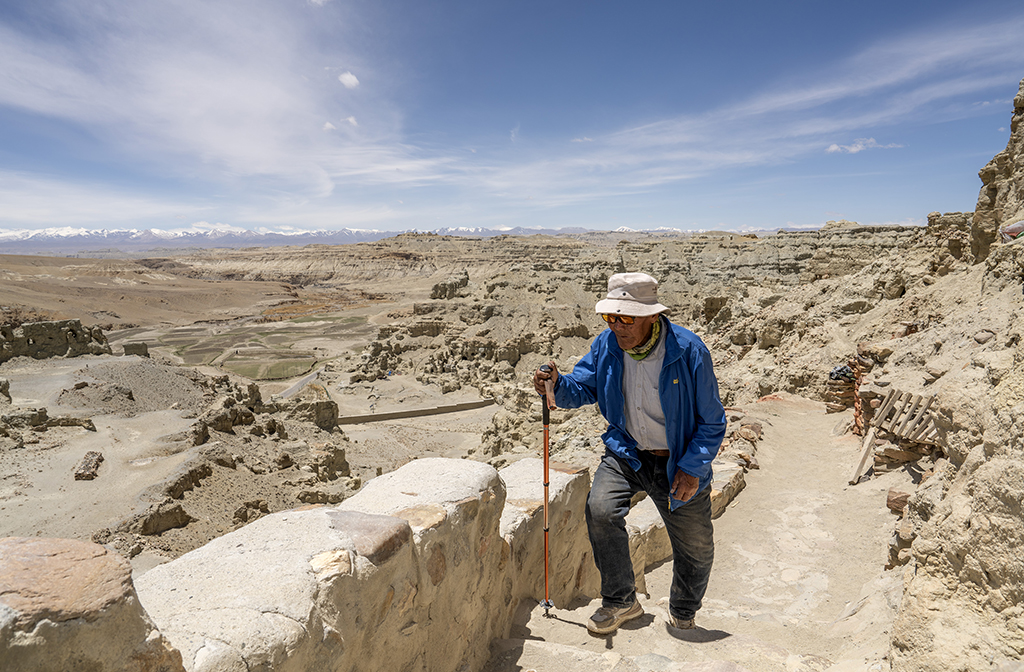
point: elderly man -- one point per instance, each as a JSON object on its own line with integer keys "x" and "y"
{"x": 655, "y": 385}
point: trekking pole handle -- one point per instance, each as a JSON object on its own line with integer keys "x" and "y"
{"x": 549, "y": 391}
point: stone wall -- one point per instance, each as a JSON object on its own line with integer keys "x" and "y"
{"x": 420, "y": 570}
{"x": 413, "y": 572}
{"x": 41, "y": 340}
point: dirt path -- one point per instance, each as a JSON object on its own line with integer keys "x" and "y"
{"x": 798, "y": 582}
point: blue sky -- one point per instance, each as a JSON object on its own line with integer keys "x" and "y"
{"x": 324, "y": 114}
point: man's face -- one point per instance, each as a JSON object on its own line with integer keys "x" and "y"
{"x": 631, "y": 335}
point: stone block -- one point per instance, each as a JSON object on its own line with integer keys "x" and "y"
{"x": 896, "y": 500}
{"x": 140, "y": 349}
{"x": 408, "y": 572}
{"x": 728, "y": 482}
{"x": 571, "y": 564}
{"x": 647, "y": 534}
{"x": 89, "y": 467}
{"x": 70, "y": 605}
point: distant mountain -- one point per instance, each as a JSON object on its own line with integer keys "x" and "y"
{"x": 135, "y": 242}
{"x": 69, "y": 241}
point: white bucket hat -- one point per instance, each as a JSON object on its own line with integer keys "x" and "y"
{"x": 634, "y": 294}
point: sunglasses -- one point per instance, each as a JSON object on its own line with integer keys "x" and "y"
{"x": 610, "y": 319}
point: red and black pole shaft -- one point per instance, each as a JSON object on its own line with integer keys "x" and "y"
{"x": 547, "y": 403}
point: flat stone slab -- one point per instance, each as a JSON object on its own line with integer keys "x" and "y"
{"x": 59, "y": 579}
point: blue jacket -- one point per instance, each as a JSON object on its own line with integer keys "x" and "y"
{"x": 694, "y": 416}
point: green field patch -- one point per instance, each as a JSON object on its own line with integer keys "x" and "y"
{"x": 187, "y": 333}
{"x": 195, "y": 359}
{"x": 269, "y": 369}
{"x": 179, "y": 340}
{"x": 338, "y": 319}
{"x": 206, "y": 349}
{"x": 200, "y": 354}
{"x": 268, "y": 354}
{"x": 280, "y": 338}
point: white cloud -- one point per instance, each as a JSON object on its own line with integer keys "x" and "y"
{"x": 909, "y": 221}
{"x": 351, "y": 120}
{"x": 328, "y": 126}
{"x": 859, "y": 145}
{"x": 207, "y": 227}
{"x": 583, "y": 139}
{"x": 514, "y": 133}
{"x": 348, "y": 80}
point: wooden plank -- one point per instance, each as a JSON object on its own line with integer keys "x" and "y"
{"x": 884, "y": 408}
{"x": 898, "y": 409}
{"x": 922, "y": 420}
{"x": 904, "y": 404}
{"x": 869, "y": 444}
{"x": 910, "y": 413}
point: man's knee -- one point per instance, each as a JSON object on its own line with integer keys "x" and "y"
{"x": 696, "y": 543}
{"x": 605, "y": 512}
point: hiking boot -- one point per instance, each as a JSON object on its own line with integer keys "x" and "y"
{"x": 607, "y": 620}
{"x": 681, "y": 624}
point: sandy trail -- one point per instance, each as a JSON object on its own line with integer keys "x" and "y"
{"x": 794, "y": 551}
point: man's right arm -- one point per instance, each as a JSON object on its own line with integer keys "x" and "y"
{"x": 578, "y": 388}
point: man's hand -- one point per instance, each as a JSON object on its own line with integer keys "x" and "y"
{"x": 684, "y": 486}
{"x": 539, "y": 377}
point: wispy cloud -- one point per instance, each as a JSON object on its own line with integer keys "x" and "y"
{"x": 208, "y": 88}
{"x": 929, "y": 77}
{"x": 859, "y": 145}
{"x": 34, "y": 201}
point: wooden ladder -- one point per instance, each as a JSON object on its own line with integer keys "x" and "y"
{"x": 903, "y": 414}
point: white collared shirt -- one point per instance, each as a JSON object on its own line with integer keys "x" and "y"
{"x": 645, "y": 419}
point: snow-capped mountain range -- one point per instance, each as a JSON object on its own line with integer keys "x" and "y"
{"x": 72, "y": 241}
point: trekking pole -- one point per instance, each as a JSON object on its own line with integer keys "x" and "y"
{"x": 547, "y": 403}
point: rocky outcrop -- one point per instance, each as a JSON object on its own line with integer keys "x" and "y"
{"x": 41, "y": 340}
{"x": 70, "y": 605}
{"x": 1001, "y": 200}
{"x": 449, "y": 289}
{"x": 962, "y": 530}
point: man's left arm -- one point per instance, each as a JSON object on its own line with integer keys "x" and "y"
{"x": 710, "y": 418}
